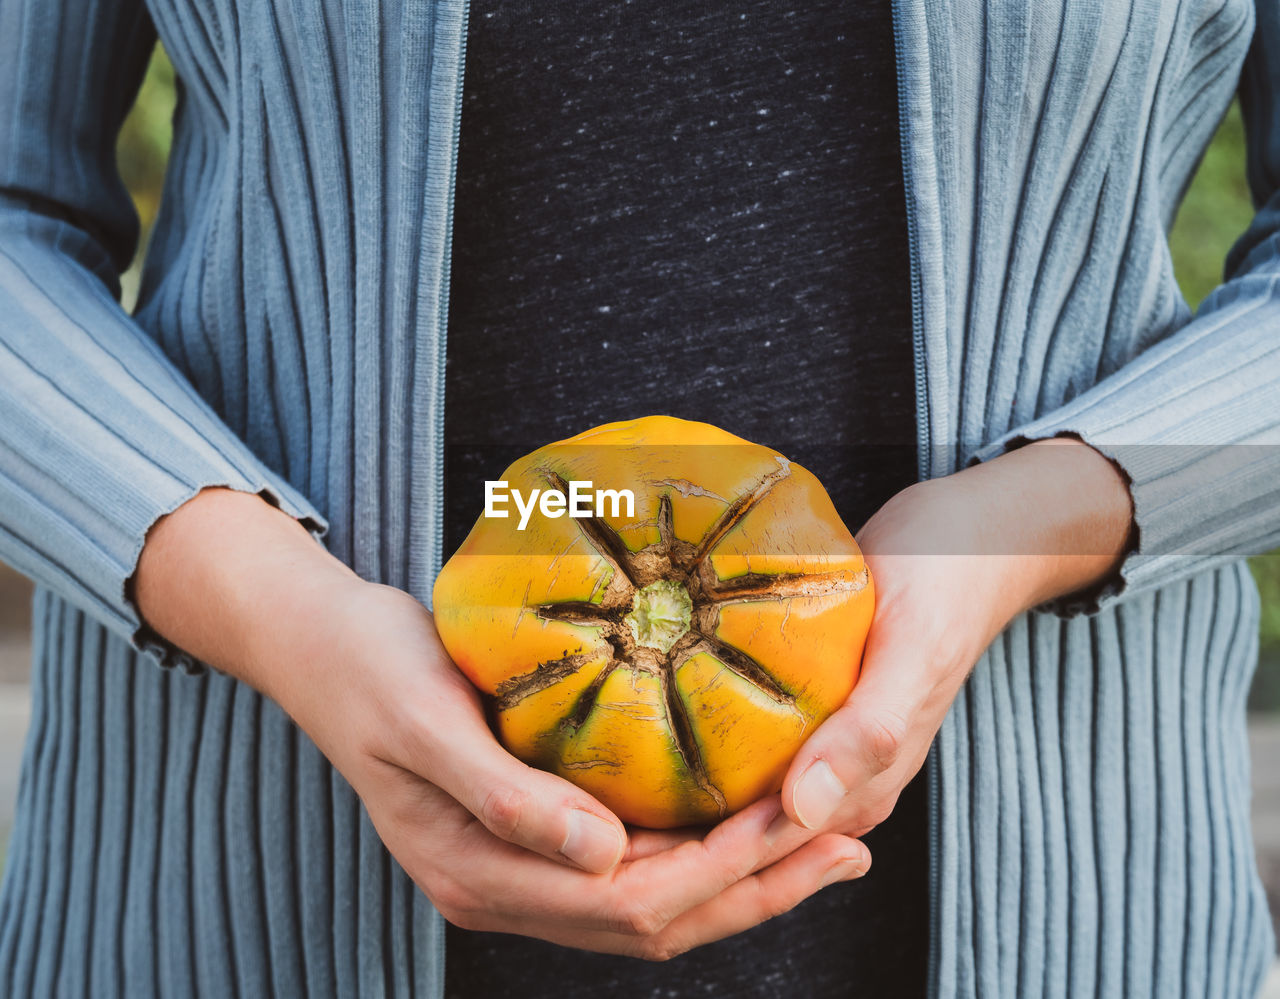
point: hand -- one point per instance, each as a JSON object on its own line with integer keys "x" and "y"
{"x": 494, "y": 844}
{"x": 954, "y": 561}
{"x": 491, "y": 841}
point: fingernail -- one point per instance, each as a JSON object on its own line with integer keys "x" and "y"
{"x": 844, "y": 870}
{"x": 817, "y": 795}
{"x": 591, "y": 842}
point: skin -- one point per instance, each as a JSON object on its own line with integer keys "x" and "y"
{"x": 954, "y": 560}
{"x": 499, "y": 846}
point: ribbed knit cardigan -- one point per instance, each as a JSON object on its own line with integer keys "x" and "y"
{"x": 177, "y": 836}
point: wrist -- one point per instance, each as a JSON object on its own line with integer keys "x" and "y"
{"x": 224, "y": 576}
{"x": 1068, "y": 508}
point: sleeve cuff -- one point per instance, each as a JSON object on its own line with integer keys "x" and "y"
{"x": 1188, "y": 502}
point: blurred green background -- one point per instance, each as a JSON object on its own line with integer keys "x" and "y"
{"x": 1216, "y": 211}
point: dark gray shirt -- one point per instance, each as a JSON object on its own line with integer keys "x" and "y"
{"x": 692, "y": 209}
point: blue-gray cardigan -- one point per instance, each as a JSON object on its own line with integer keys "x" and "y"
{"x": 177, "y": 835}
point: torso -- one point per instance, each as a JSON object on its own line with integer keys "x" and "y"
{"x": 701, "y": 216}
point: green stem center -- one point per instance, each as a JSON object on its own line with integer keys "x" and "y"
{"x": 660, "y": 615}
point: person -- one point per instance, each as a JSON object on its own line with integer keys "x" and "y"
{"x": 1063, "y": 628}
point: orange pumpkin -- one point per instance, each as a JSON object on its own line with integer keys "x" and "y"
{"x": 670, "y": 662}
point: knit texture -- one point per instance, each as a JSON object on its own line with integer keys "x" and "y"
{"x": 177, "y": 836}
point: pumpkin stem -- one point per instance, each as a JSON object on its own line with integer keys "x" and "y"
{"x": 660, "y": 615}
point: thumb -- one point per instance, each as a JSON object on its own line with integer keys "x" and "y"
{"x": 847, "y": 753}
{"x": 522, "y": 805}
{"x": 858, "y": 748}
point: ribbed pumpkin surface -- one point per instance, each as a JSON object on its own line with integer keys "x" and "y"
{"x": 670, "y": 662}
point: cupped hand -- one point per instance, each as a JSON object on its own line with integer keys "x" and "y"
{"x": 497, "y": 845}
{"x": 954, "y": 561}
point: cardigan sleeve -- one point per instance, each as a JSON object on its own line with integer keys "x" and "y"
{"x": 100, "y": 434}
{"x": 1194, "y": 421}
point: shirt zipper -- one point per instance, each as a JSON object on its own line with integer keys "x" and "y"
{"x": 442, "y": 338}
{"x": 923, "y": 462}
{"x": 442, "y": 316}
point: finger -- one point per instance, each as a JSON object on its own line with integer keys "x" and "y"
{"x": 778, "y": 888}
{"x": 747, "y": 903}
{"x": 781, "y": 836}
{"x": 643, "y": 843}
{"x": 640, "y": 897}
{"x": 530, "y": 808}
{"x": 857, "y": 758}
{"x": 863, "y": 742}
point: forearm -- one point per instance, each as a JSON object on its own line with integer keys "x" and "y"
{"x": 1039, "y": 522}
{"x": 227, "y": 577}
{"x": 1057, "y": 507}
{"x": 102, "y": 434}
{"x": 954, "y": 559}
